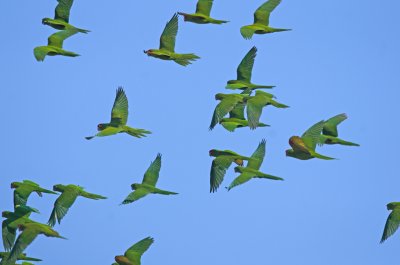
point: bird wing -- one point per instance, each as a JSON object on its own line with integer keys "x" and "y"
{"x": 167, "y": 39}
{"x": 261, "y": 16}
{"x": 255, "y": 106}
{"x": 22, "y": 210}
{"x": 62, "y": 10}
{"x": 57, "y": 39}
{"x": 135, "y": 252}
{"x": 257, "y": 157}
{"x": 224, "y": 107}
{"x": 330, "y": 126}
{"x": 119, "y": 112}
{"x": 312, "y": 136}
{"x": 152, "y": 173}
{"x": 392, "y": 223}
{"x": 238, "y": 111}
{"x": 218, "y": 169}
{"x": 40, "y": 52}
{"x": 21, "y": 196}
{"x": 242, "y": 178}
{"x": 136, "y": 195}
{"x": 23, "y": 241}
{"x": 30, "y": 182}
{"x": 8, "y": 235}
{"x": 62, "y": 205}
{"x": 204, "y": 7}
{"x": 246, "y": 65}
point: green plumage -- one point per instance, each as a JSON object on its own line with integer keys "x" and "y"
{"x": 330, "y": 132}
{"x": 5, "y": 255}
{"x": 69, "y": 193}
{"x": 148, "y": 184}
{"x": 119, "y": 118}
{"x": 252, "y": 168}
{"x": 392, "y": 222}
{"x": 133, "y": 255}
{"x": 202, "y": 15}
{"x": 22, "y": 191}
{"x": 261, "y": 21}
{"x": 167, "y": 45}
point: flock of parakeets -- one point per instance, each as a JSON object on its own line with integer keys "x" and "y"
{"x": 235, "y": 105}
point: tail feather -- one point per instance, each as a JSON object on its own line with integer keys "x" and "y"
{"x": 343, "y": 142}
{"x": 314, "y": 154}
{"x": 186, "y": 58}
{"x": 139, "y": 133}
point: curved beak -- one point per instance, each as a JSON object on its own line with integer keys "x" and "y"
{"x": 145, "y": 51}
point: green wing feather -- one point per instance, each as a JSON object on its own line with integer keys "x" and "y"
{"x": 392, "y": 224}
{"x": 330, "y": 126}
{"x": 21, "y": 196}
{"x": 119, "y": 113}
{"x": 61, "y": 206}
{"x": 106, "y": 132}
{"x": 8, "y": 235}
{"x": 152, "y": 173}
{"x": 255, "y": 106}
{"x": 261, "y": 16}
{"x": 242, "y": 178}
{"x": 204, "y": 7}
{"x": 238, "y": 111}
{"x": 62, "y": 10}
{"x": 167, "y": 39}
{"x": 246, "y": 65}
{"x": 224, "y": 107}
{"x": 218, "y": 169}
{"x": 136, "y": 195}
{"x": 312, "y": 136}
{"x": 57, "y": 39}
{"x": 135, "y": 252}
{"x": 257, "y": 157}
{"x": 30, "y": 182}
{"x": 23, "y": 241}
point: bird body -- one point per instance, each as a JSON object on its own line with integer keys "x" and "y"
{"x": 202, "y": 15}
{"x": 54, "y": 45}
{"x": 132, "y": 255}
{"x": 392, "y": 222}
{"x": 67, "y": 198}
{"x": 22, "y": 191}
{"x": 119, "y": 118}
{"x": 166, "y": 50}
{"x": 330, "y": 132}
{"x": 148, "y": 185}
{"x": 261, "y": 21}
{"x": 231, "y": 124}
{"x": 22, "y": 256}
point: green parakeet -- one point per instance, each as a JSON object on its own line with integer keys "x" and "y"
{"x": 133, "y": 254}
{"x": 68, "y": 195}
{"x": 222, "y": 161}
{"x": 119, "y": 118}
{"x": 29, "y": 232}
{"x": 22, "y": 191}
{"x": 393, "y": 220}
{"x": 227, "y": 104}
{"x": 22, "y": 256}
{"x": 202, "y": 15}
{"x": 148, "y": 184}
{"x": 252, "y": 168}
{"x": 167, "y": 46}
{"x": 61, "y": 17}
{"x": 261, "y": 21}
{"x": 54, "y": 45}
{"x": 9, "y": 226}
{"x": 244, "y": 72}
{"x": 303, "y": 147}
{"x": 330, "y": 133}
{"x": 255, "y": 105}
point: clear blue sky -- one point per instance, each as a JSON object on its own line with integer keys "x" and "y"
{"x": 342, "y": 56}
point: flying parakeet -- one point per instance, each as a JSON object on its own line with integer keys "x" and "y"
{"x": 255, "y": 105}
{"x": 393, "y": 220}
{"x": 303, "y": 147}
{"x": 202, "y": 15}
{"x": 9, "y": 226}
{"x": 222, "y": 161}
{"x": 22, "y": 191}
{"x": 167, "y": 45}
{"x": 29, "y": 232}
{"x": 133, "y": 254}
{"x": 148, "y": 184}
{"x": 244, "y": 71}
{"x": 330, "y": 133}
{"x": 61, "y": 17}
{"x": 119, "y": 118}
{"x": 22, "y": 256}
{"x": 54, "y": 45}
{"x": 252, "y": 168}
{"x": 68, "y": 195}
{"x": 261, "y": 21}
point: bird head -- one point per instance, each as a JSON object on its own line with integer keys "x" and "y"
{"x": 45, "y": 21}
{"x": 6, "y": 214}
{"x": 134, "y": 186}
{"x": 219, "y": 96}
{"x": 392, "y": 205}
{"x": 148, "y": 52}
{"x": 58, "y": 188}
{"x": 122, "y": 260}
{"x": 294, "y": 140}
{"x": 14, "y": 185}
{"x": 238, "y": 169}
{"x": 101, "y": 126}
{"x": 212, "y": 152}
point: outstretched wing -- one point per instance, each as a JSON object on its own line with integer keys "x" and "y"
{"x": 392, "y": 224}
{"x": 119, "y": 112}
{"x": 224, "y": 107}
{"x": 261, "y": 15}
{"x": 23, "y": 241}
{"x": 312, "y": 136}
{"x": 255, "y": 106}
{"x": 58, "y": 38}
{"x": 257, "y": 157}
{"x": 242, "y": 178}
{"x": 8, "y": 235}
{"x": 62, "y": 10}
{"x": 167, "y": 39}
{"x": 152, "y": 173}
{"x": 136, "y": 195}
{"x": 135, "y": 252}
{"x": 61, "y": 206}
{"x": 218, "y": 169}
{"x": 330, "y": 126}
{"x": 246, "y": 65}
{"x": 238, "y": 111}
{"x": 204, "y": 7}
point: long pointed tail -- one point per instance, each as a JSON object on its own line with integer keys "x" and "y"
{"x": 164, "y": 192}
{"x": 186, "y": 58}
{"x": 343, "y": 142}
{"x": 139, "y": 133}
{"x": 322, "y": 156}
{"x": 216, "y": 21}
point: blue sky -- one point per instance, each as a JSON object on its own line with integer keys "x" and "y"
{"x": 342, "y": 56}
